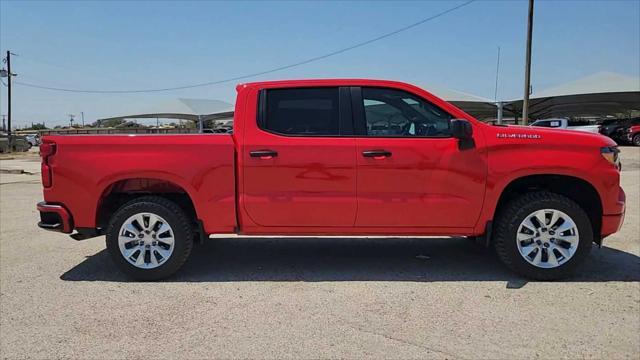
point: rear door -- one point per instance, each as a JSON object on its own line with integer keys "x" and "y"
{"x": 411, "y": 172}
{"x": 299, "y": 167}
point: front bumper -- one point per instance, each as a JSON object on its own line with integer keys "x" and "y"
{"x": 612, "y": 223}
{"x": 54, "y": 217}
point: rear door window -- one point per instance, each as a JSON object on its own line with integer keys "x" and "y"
{"x": 301, "y": 111}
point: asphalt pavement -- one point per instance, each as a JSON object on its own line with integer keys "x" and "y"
{"x": 309, "y": 297}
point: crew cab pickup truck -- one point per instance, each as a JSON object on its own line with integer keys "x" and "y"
{"x": 337, "y": 157}
{"x": 564, "y": 124}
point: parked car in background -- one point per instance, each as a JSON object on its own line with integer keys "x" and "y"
{"x": 218, "y": 130}
{"x": 33, "y": 139}
{"x": 565, "y": 124}
{"x": 633, "y": 135}
{"x": 617, "y": 128}
{"x": 20, "y": 143}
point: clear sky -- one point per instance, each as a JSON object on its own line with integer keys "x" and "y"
{"x": 139, "y": 45}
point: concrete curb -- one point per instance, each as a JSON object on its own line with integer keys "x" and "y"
{"x": 15, "y": 171}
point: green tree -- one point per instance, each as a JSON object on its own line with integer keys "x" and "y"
{"x": 108, "y": 123}
{"x": 37, "y": 126}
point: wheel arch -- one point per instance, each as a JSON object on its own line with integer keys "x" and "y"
{"x": 124, "y": 189}
{"x": 578, "y": 190}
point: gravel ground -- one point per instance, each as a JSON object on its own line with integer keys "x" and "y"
{"x": 310, "y": 297}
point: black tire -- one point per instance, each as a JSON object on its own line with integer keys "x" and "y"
{"x": 509, "y": 218}
{"x": 180, "y": 223}
{"x": 636, "y": 140}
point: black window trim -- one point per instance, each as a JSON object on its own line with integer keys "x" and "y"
{"x": 345, "y": 115}
{"x": 360, "y": 121}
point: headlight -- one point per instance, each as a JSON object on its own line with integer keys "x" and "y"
{"x": 610, "y": 153}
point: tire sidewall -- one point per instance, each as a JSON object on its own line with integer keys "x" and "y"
{"x": 182, "y": 240}
{"x": 636, "y": 140}
{"x": 510, "y": 245}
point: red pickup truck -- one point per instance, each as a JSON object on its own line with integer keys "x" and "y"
{"x": 338, "y": 157}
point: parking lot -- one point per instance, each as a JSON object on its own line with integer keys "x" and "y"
{"x": 309, "y": 297}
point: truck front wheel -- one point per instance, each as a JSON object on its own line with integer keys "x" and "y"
{"x": 149, "y": 238}
{"x": 542, "y": 235}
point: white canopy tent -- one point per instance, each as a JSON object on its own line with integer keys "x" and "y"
{"x": 475, "y": 105}
{"x": 600, "y": 94}
{"x": 479, "y": 107}
{"x": 198, "y": 110}
{"x": 602, "y": 82}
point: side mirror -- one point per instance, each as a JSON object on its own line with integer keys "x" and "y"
{"x": 461, "y": 129}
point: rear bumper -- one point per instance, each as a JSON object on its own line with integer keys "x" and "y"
{"x": 54, "y": 217}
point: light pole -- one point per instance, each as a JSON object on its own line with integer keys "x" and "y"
{"x": 499, "y": 104}
{"x": 527, "y": 69}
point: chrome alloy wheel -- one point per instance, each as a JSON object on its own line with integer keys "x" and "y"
{"x": 146, "y": 240}
{"x": 547, "y": 238}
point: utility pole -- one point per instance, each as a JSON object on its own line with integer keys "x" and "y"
{"x": 71, "y": 116}
{"x": 8, "y": 74}
{"x": 82, "y": 114}
{"x": 4, "y": 125}
{"x": 527, "y": 69}
{"x": 9, "y": 100}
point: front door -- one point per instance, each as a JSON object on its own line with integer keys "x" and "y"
{"x": 411, "y": 172}
{"x": 298, "y": 168}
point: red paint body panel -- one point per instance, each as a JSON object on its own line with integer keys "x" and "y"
{"x": 84, "y": 167}
{"x": 322, "y": 185}
{"x": 425, "y": 183}
{"x": 552, "y": 152}
{"x": 312, "y": 181}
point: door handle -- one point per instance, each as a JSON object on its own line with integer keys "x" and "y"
{"x": 263, "y": 154}
{"x": 376, "y": 154}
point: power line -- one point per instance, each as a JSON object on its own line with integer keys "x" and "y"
{"x": 216, "y": 82}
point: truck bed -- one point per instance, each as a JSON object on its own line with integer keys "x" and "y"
{"x": 90, "y": 167}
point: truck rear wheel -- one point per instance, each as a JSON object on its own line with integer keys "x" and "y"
{"x": 149, "y": 238}
{"x": 543, "y": 235}
{"x": 636, "y": 140}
